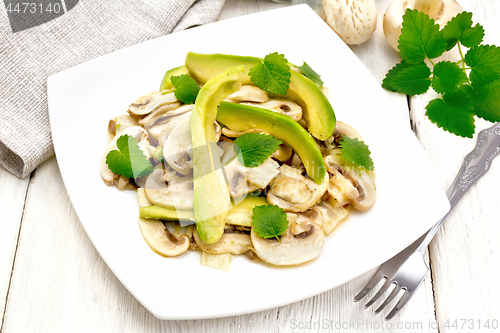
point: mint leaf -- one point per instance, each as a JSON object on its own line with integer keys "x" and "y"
{"x": 254, "y": 148}
{"x": 356, "y": 152}
{"x": 311, "y": 74}
{"x": 459, "y": 29}
{"x": 484, "y": 61}
{"x": 273, "y": 75}
{"x": 186, "y": 88}
{"x": 129, "y": 160}
{"x": 453, "y": 113}
{"x": 420, "y": 38}
{"x": 486, "y": 101}
{"x": 472, "y": 37}
{"x": 408, "y": 79}
{"x": 269, "y": 221}
{"x": 448, "y": 76}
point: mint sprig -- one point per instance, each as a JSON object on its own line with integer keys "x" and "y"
{"x": 356, "y": 152}
{"x": 129, "y": 160}
{"x": 269, "y": 221}
{"x": 272, "y": 75}
{"x": 186, "y": 88}
{"x": 254, "y": 148}
{"x": 310, "y": 74}
{"x": 468, "y": 88}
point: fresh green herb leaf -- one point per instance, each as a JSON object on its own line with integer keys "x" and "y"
{"x": 408, "y": 78}
{"x": 459, "y": 29}
{"x": 472, "y": 37}
{"x": 356, "y": 152}
{"x": 186, "y": 88}
{"x": 420, "y": 38}
{"x": 484, "y": 61}
{"x": 486, "y": 100}
{"x": 269, "y": 221}
{"x": 311, "y": 74}
{"x": 448, "y": 76}
{"x": 465, "y": 94}
{"x": 273, "y": 75}
{"x": 453, "y": 113}
{"x": 129, "y": 160}
{"x": 254, "y": 148}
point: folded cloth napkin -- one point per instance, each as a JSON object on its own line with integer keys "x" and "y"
{"x": 38, "y": 41}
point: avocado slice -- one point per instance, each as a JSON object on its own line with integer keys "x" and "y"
{"x": 166, "y": 83}
{"x": 239, "y": 117}
{"x": 316, "y": 109}
{"x": 161, "y": 213}
{"x": 211, "y": 192}
{"x": 240, "y": 214}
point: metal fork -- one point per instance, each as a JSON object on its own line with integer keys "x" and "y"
{"x": 408, "y": 269}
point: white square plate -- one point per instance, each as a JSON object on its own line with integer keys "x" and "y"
{"x": 83, "y": 99}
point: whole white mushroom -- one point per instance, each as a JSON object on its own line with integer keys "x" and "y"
{"x": 441, "y": 11}
{"x": 353, "y": 20}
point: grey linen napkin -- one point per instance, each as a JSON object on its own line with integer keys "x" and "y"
{"x": 37, "y": 45}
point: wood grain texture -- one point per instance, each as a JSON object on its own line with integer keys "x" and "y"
{"x": 464, "y": 253}
{"x": 12, "y": 195}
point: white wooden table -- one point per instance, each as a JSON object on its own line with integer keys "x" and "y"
{"x": 53, "y": 280}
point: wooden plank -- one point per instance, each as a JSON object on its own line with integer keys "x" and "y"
{"x": 12, "y": 195}
{"x": 464, "y": 269}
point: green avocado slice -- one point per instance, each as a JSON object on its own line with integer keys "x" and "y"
{"x": 166, "y": 83}
{"x": 239, "y": 117}
{"x": 211, "y": 193}
{"x": 240, "y": 214}
{"x": 316, "y": 109}
{"x": 161, "y": 213}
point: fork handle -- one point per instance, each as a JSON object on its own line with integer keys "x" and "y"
{"x": 474, "y": 166}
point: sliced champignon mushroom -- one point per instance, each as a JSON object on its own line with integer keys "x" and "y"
{"x": 293, "y": 248}
{"x": 120, "y": 123}
{"x": 366, "y": 188}
{"x": 168, "y": 126}
{"x": 283, "y": 153}
{"x": 339, "y": 181}
{"x": 344, "y": 129}
{"x": 236, "y": 175}
{"x": 177, "y": 194}
{"x": 331, "y": 216}
{"x": 243, "y": 180}
{"x": 353, "y": 20}
{"x": 234, "y": 243}
{"x": 248, "y": 93}
{"x": 156, "y": 235}
{"x": 137, "y": 132}
{"x": 283, "y": 106}
{"x": 146, "y": 104}
{"x": 441, "y": 11}
{"x": 123, "y": 184}
{"x": 354, "y": 183}
{"x": 293, "y": 192}
{"x": 177, "y": 149}
{"x": 164, "y": 114}
{"x": 217, "y": 261}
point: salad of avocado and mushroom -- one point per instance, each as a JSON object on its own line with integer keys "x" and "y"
{"x": 239, "y": 154}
